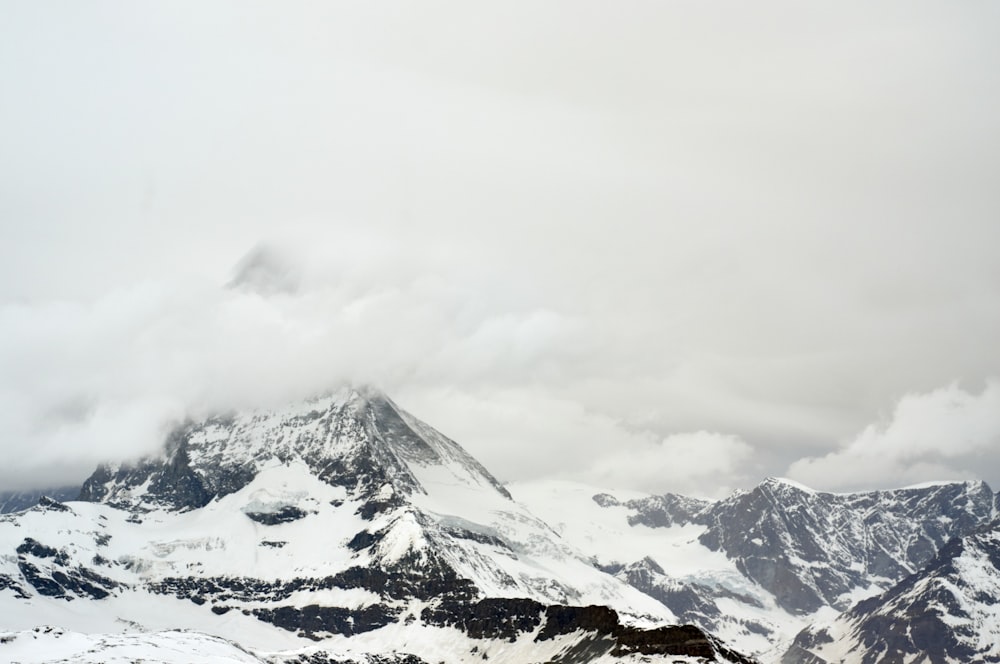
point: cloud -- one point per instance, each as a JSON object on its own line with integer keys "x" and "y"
{"x": 561, "y": 213}
{"x": 949, "y": 433}
{"x": 525, "y": 434}
{"x": 698, "y": 463}
{"x": 265, "y": 271}
{"x": 86, "y": 382}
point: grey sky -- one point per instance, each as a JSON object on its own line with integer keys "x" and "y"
{"x": 667, "y": 245}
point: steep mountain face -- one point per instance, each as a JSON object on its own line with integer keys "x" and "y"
{"x": 342, "y": 521}
{"x": 356, "y": 439}
{"x": 759, "y": 565}
{"x": 811, "y": 549}
{"x": 947, "y": 612}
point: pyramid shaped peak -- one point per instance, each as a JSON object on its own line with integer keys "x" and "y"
{"x": 354, "y": 436}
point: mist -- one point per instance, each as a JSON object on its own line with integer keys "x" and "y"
{"x": 678, "y": 248}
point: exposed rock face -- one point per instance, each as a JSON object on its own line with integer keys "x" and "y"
{"x": 665, "y": 511}
{"x": 691, "y": 603}
{"x": 890, "y": 533}
{"x": 358, "y": 439}
{"x": 282, "y": 515}
{"x": 172, "y": 483}
{"x": 811, "y": 549}
{"x": 947, "y": 612}
{"x": 52, "y": 572}
{"x": 510, "y": 619}
{"x": 757, "y": 566}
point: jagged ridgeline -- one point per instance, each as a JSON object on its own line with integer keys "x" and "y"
{"x": 340, "y": 529}
{"x": 811, "y": 549}
{"x": 760, "y": 565}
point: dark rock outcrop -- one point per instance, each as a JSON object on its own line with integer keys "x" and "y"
{"x": 599, "y": 628}
{"x": 286, "y": 514}
{"x": 315, "y": 622}
{"x": 173, "y": 484}
{"x": 51, "y": 573}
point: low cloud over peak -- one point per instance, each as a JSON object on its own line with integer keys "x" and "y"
{"x": 266, "y": 270}
{"x": 554, "y": 234}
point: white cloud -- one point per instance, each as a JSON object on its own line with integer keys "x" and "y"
{"x": 698, "y": 463}
{"x": 88, "y": 382}
{"x": 523, "y": 433}
{"x": 949, "y": 433}
{"x": 759, "y": 221}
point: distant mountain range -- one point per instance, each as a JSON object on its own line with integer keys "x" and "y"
{"x": 343, "y": 529}
{"x": 15, "y": 501}
{"x": 759, "y": 566}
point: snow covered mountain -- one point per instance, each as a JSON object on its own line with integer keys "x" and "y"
{"x": 343, "y": 529}
{"x": 340, "y": 529}
{"x": 947, "y": 612}
{"x": 759, "y": 565}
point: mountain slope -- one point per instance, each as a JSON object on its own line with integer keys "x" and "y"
{"x": 947, "y": 612}
{"x": 392, "y": 485}
{"x": 52, "y": 644}
{"x": 342, "y": 520}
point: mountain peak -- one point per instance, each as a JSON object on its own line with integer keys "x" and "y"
{"x": 355, "y": 437}
{"x": 785, "y": 483}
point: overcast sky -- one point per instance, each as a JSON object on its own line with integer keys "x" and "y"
{"x": 670, "y": 246}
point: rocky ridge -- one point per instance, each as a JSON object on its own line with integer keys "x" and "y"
{"x": 811, "y": 549}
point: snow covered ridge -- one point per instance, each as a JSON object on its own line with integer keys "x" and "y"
{"x": 53, "y": 644}
{"x": 352, "y": 437}
{"x": 341, "y": 529}
{"x": 760, "y": 565}
{"x": 811, "y": 549}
